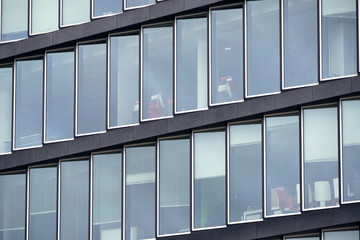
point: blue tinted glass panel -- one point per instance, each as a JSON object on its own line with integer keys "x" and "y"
{"x": 6, "y": 91}
{"x": 107, "y": 7}
{"x": 138, "y": 3}
{"x": 346, "y": 234}
{"x": 44, "y": 16}
{"x": 75, "y": 12}
{"x": 14, "y": 19}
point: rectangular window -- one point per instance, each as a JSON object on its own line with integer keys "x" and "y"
{"x": 282, "y": 165}
{"x": 74, "y": 12}
{"x": 140, "y": 193}
{"x": 124, "y": 80}
{"x": 227, "y": 57}
{"x": 302, "y": 238}
{"x": 6, "y": 98}
{"x": 348, "y": 234}
{"x": 12, "y": 206}
{"x": 350, "y": 119}
{"x": 338, "y": 38}
{"x": 74, "y": 200}
{"x": 44, "y": 16}
{"x": 209, "y": 199}
{"x": 191, "y": 64}
{"x": 106, "y": 7}
{"x": 245, "y": 172}
{"x": 300, "y": 39}
{"x": 174, "y": 191}
{"x": 91, "y": 88}
{"x": 138, "y": 3}
{"x": 263, "y": 47}
{"x": 59, "y": 96}
{"x": 106, "y": 196}
{"x": 14, "y": 19}
{"x": 157, "y": 72}
{"x": 42, "y": 203}
{"x": 28, "y": 103}
{"x": 321, "y": 162}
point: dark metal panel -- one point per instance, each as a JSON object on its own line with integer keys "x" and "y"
{"x": 184, "y": 121}
{"x": 116, "y": 136}
{"x": 84, "y": 144}
{"x": 220, "y": 114}
{"x": 276, "y": 226}
{"x": 347, "y": 214}
{"x": 133, "y": 17}
{"x": 256, "y": 105}
{"x": 239, "y": 232}
{"x": 150, "y": 129}
{"x": 314, "y": 219}
{"x": 331, "y": 89}
{"x": 289, "y": 98}
{"x": 52, "y": 151}
{"x": 36, "y": 42}
{"x": 68, "y": 34}
{"x": 166, "y": 8}
{"x": 19, "y": 158}
{"x": 100, "y": 25}
{"x": 190, "y": 4}
{"x": 10, "y": 49}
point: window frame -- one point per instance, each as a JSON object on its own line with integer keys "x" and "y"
{"x": 30, "y": 14}
{"x": 61, "y": 19}
{"x": 92, "y": 9}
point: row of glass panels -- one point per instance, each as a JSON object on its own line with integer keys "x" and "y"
{"x": 182, "y": 183}
{"x": 350, "y": 233}
{"x": 141, "y": 69}
{"x": 48, "y": 15}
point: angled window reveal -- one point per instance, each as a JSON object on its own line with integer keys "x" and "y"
{"x": 74, "y": 12}
{"x": 129, "y": 4}
{"x": 157, "y": 72}
{"x": 44, "y": 16}
{"x": 6, "y": 91}
{"x": 102, "y": 8}
{"x": 14, "y": 19}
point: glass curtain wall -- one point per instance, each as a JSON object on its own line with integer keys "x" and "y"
{"x": 350, "y": 234}
{"x": 60, "y": 96}
{"x": 106, "y": 196}
{"x": 209, "y": 198}
{"x": 245, "y": 172}
{"x": 44, "y": 16}
{"x": 14, "y": 19}
{"x": 227, "y": 57}
{"x": 350, "y": 119}
{"x": 74, "y": 12}
{"x": 174, "y": 187}
{"x": 12, "y": 206}
{"x": 42, "y": 219}
{"x": 28, "y": 103}
{"x": 282, "y": 165}
{"x": 339, "y": 38}
{"x": 106, "y": 7}
{"x": 300, "y": 43}
{"x": 91, "y": 88}
{"x": 321, "y": 163}
{"x": 74, "y": 200}
{"x": 140, "y": 192}
{"x": 191, "y": 64}
{"x": 124, "y": 80}
{"x": 303, "y": 238}
{"x": 157, "y": 72}
{"x": 6, "y": 98}
{"x": 263, "y": 46}
{"x": 138, "y": 3}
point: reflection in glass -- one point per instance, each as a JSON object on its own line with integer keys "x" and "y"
{"x": 174, "y": 165}
{"x": 321, "y": 163}
{"x": 209, "y": 179}
{"x": 6, "y": 91}
{"x": 351, "y": 149}
{"x": 138, "y": 3}
{"x": 245, "y": 172}
{"x": 226, "y": 55}
{"x": 44, "y": 15}
{"x": 12, "y": 206}
{"x": 107, "y": 7}
{"x": 74, "y": 200}
{"x": 263, "y": 47}
{"x": 74, "y": 12}
{"x": 300, "y": 42}
{"x": 42, "y": 203}
{"x": 59, "y": 96}
{"x": 124, "y": 80}
{"x": 157, "y": 84}
{"x": 28, "y": 103}
{"x": 282, "y": 165}
{"x": 140, "y": 193}
{"x": 107, "y": 182}
{"x": 91, "y": 95}
{"x": 339, "y": 41}
{"x": 14, "y": 19}
{"x": 302, "y": 238}
{"x": 345, "y": 234}
{"x": 191, "y": 64}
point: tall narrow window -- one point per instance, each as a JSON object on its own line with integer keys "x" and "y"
{"x": 6, "y": 90}
{"x": 300, "y": 43}
{"x": 140, "y": 193}
{"x": 74, "y": 12}
{"x": 106, "y": 7}
{"x": 14, "y": 19}
{"x": 138, "y": 3}
{"x": 42, "y": 203}
{"x": 12, "y": 206}
{"x": 174, "y": 192}
{"x": 106, "y": 195}
{"x": 263, "y": 47}
{"x": 124, "y": 81}
{"x": 338, "y": 38}
{"x": 91, "y": 88}
{"x": 209, "y": 179}
{"x": 282, "y": 161}
{"x": 59, "y": 118}
{"x": 245, "y": 172}
{"x": 227, "y": 75}
{"x": 28, "y": 103}
{"x": 321, "y": 163}
{"x": 157, "y": 75}
{"x": 191, "y": 64}
{"x": 350, "y": 116}
{"x": 74, "y": 200}
{"x": 44, "y": 16}
{"x": 348, "y": 234}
